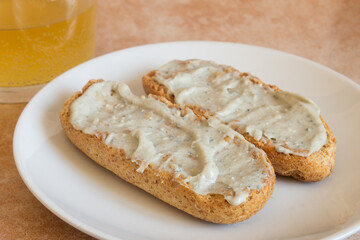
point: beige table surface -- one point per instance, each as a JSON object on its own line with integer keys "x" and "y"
{"x": 325, "y": 31}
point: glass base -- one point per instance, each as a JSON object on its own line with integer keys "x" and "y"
{"x": 18, "y": 94}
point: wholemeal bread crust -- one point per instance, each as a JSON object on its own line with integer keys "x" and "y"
{"x": 163, "y": 185}
{"x": 314, "y": 167}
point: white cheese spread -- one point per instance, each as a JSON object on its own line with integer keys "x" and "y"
{"x": 208, "y": 156}
{"x": 291, "y": 122}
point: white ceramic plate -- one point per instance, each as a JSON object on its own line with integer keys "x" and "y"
{"x": 97, "y": 202}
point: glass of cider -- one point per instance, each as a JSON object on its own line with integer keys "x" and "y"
{"x": 39, "y": 40}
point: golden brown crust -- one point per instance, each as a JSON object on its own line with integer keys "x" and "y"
{"x": 312, "y": 168}
{"x": 161, "y": 184}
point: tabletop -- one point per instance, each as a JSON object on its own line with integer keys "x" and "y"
{"x": 327, "y": 32}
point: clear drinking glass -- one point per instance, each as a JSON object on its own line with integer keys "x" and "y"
{"x": 40, "y": 39}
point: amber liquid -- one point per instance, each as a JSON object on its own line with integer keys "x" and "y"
{"x": 40, "y": 39}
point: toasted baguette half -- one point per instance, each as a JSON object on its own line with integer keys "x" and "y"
{"x": 314, "y": 167}
{"x": 164, "y": 185}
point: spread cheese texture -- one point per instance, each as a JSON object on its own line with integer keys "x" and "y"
{"x": 291, "y": 122}
{"x": 205, "y": 155}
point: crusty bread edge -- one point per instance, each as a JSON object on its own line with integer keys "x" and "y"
{"x": 211, "y": 207}
{"x": 314, "y": 167}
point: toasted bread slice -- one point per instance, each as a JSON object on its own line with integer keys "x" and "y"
{"x": 93, "y": 117}
{"x": 312, "y": 167}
